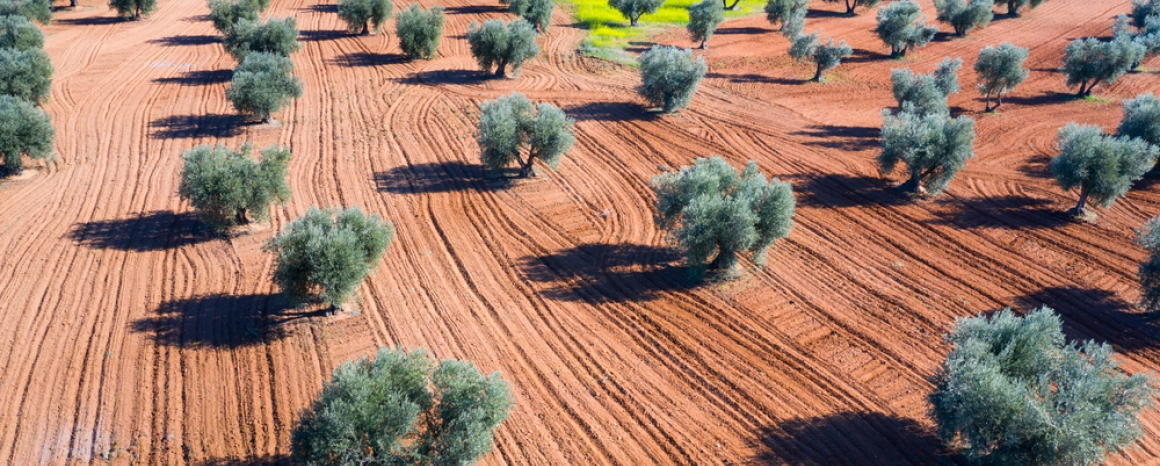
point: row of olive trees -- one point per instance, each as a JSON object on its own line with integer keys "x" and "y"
{"x": 825, "y": 54}
{"x": 263, "y": 82}
{"x": 419, "y": 30}
{"x": 25, "y": 83}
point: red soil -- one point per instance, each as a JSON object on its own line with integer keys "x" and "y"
{"x": 126, "y": 336}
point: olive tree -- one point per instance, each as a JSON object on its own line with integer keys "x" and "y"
{"x": 225, "y": 13}
{"x": 1102, "y": 167}
{"x": 508, "y": 125}
{"x": 1149, "y": 238}
{"x": 229, "y": 188}
{"x": 704, "y": 17}
{"x": 1141, "y": 119}
{"x": 495, "y": 45}
{"x": 1089, "y": 62}
{"x": 1013, "y": 6}
{"x": 790, "y": 13}
{"x": 325, "y": 254}
{"x": 402, "y": 409}
{"x": 713, "y": 213}
{"x": 934, "y": 148}
{"x": 16, "y": 32}
{"x": 669, "y": 76}
{"x": 134, "y": 9}
{"x": 1012, "y": 391}
{"x": 824, "y": 55}
{"x": 901, "y": 26}
{"x": 25, "y": 130}
{"x": 633, "y": 9}
{"x": 35, "y": 10}
{"x": 277, "y": 36}
{"x": 536, "y": 12}
{"x": 364, "y": 15}
{"x": 964, "y": 15}
{"x": 263, "y": 84}
{"x": 26, "y": 74}
{"x": 852, "y": 4}
{"x": 926, "y": 94}
{"x": 1000, "y": 69}
{"x": 1142, "y": 10}
{"x": 419, "y": 31}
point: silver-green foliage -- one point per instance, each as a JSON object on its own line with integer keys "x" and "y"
{"x": 420, "y": 31}
{"x": 714, "y": 213}
{"x": 365, "y": 15}
{"x": 824, "y": 55}
{"x": 327, "y": 253}
{"x": 926, "y": 94}
{"x": 1142, "y": 9}
{"x": 934, "y": 148}
{"x": 964, "y": 15}
{"x": 24, "y": 130}
{"x": 902, "y": 26}
{"x": 704, "y": 17}
{"x": 790, "y": 13}
{"x": 1088, "y": 62}
{"x": 1000, "y": 69}
{"x": 134, "y": 9}
{"x": 669, "y": 76}
{"x": 263, "y": 84}
{"x": 35, "y": 10}
{"x": 509, "y": 124}
{"x": 852, "y": 4}
{"x": 225, "y": 13}
{"x": 277, "y": 36}
{"x": 495, "y": 45}
{"x": 16, "y": 32}
{"x": 633, "y": 9}
{"x": 1141, "y": 119}
{"x": 229, "y": 188}
{"x": 536, "y": 12}
{"x": 1149, "y": 238}
{"x": 1102, "y": 167}
{"x": 1012, "y": 392}
{"x": 402, "y": 409}
{"x": 26, "y": 74}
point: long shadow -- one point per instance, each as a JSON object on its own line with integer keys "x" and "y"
{"x": 198, "y": 78}
{"x": 603, "y": 273}
{"x": 320, "y": 35}
{"x": 845, "y": 138}
{"x": 1007, "y": 212}
{"x": 1037, "y": 166}
{"x": 193, "y": 126}
{"x": 441, "y": 77}
{"x": 813, "y": 13}
{"x": 321, "y": 8}
{"x": 270, "y": 460}
{"x": 1047, "y": 98}
{"x": 175, "y": 41}
{"x": 864, "y": 55}
{"x": 474, "y": 9}
{"x": 220, "y": 321}
{"x": 840, "y": 191}
{"x": 852, "y": 438}
{"x": 741, "y": 31}
{"x": 1099, "y": 314}
{"x": 92, "y": 21}
{"x": 360, "y": 59}
{"x": 610, "y": 111}
{"x": 442, "y": 177}
{"x": 154, "y": 231}
{"x": 754, "y": 78}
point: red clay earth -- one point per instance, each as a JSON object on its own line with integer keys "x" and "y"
{"x": 128, "y": 336}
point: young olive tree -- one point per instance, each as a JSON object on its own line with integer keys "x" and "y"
{"x": 508, "y": 124}
{"x": 277, "y": 36}
{"x": 419, "y": 31}
{"x": 26, "y": 74}
{"x": 325, "y": 254}
{"x": 495, "y": 45}
{"x": 17, "y": 32}
{"x": 669, "y": 76}
{"x": 135, "y": 9}
{"x": 34, "y": 10}
{"x": 926, "y": 94}
{"x": 824, "y": 55}
{"x": 1013, "y": 6}
{"x": 225, "y": 13}
{"x": 1142, "y": 10}
{"x": 229, "y": 188}
{"x": 1012, "y": 391}
{"x": 964, "y": 15}
{"x": 536, "y": 12}
{"x": 852, "y": 4}
{"x": 1141, "y": 119}
{"x": 790, "y": 13}
{"x": 1000, "y": 69}
{"x": 633, "y": 9}
{"x": 901, "y": 26}
{"x": 25, "y": 130}
{"x": 934, "y": 148}
{"x": 364, "y": 15}
{"x": 1149, "y": 238}
{"x": 1102, "y": 167}
{"x": 704, "y": 17}
{"x": 402, "y": 409}
{"x": 1089, "y": 62}
{"x": 714, "y": 213}
{"x": 263, "y": 84}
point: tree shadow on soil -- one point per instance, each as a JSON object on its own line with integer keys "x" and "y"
{"x": 754, "y": 78}
{"x": 221, "y": 321}
{"x": 853, "y": 438}
{"x": 320, "y": 35}
{"x": 741, "y": 31}
{"x": 603, "y": 273}
{"x": 198, "y": 78}
{"x": 1047, "y": 98}
{"x": 362, "y": 59}
{"x": 839, "y": 191}
{"x": 474, "y": 9}
{"x": 321, "y": 8}
{"x": 154, "y": 231}
{"x": 177, "y": 41}
{"x": 439, "y": 177}
{"x": 441, "y": 77}
{"x": 845, "y": 138}
{"x": 1007, "y": 212}
{"x": 1099, "y": 314}
{"x": 196, "y": 126}
{"x": 92, "y": 21}
{"x": 814, "y": 13}
{"x": 610, "y": 111}
{"x": 270, "y": 460}
{"x": 864, "y": 55}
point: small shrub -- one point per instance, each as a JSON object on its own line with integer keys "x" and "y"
{"x": 26, "y": 74}
{"x": 852, "y": 4}
{"x": 964, "y": 15}
{"x": 633, "y": 9}
{"x": 420, "y": 31}
{"x": 536, "y": 12}
{"x": 902, "y": 27}
{"x": 225, "y": 13}
{"x": 25, "y": 130}
{"x": 508, "y": 124}
{"x": 16, "y": 32}
{"x": 1141, "y": 119}
{"x": 34, "y": 10}
{"x": 135, "y": 9}
{"x": 1102, "y": 167}
{"x": 934, "y": 148}
{"x": 1013, "y": 6}
{"x": 1089, "y": 62}
{"x": 263, "y": 84}
{"x": 704, "y": 17}
{"x": 496, "y": 45}
{"x": 325, "y": 254}
{"x": 1000, "y": 69}
{"x": 790, "y": 13}
{"x": 669, "y": 76}
{"x": 229, "y": 188}
{"x": 277, "y": 36}
{"x": 926, "y": 94}
{"x": 403, "y": 409}
{"x": 714, "y": 213}
{"x": 1149, "y": 238}
{"x": 365, "y": 15}
{"x": 1012, "y": 392}
{"x": 824, "y": 55}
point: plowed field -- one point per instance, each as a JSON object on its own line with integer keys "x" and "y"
{"x": 127, "y": 335}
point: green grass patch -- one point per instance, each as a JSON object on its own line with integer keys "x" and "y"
{"x": 609, "y": 31}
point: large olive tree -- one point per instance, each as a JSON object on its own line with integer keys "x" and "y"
{"x": 229, "y": 188}
{"x": 1000, "y": 69}
{"x": 902, "y": 27}
{"x": 25, "y": 130}
{"x": 669, "y": 76}
{"x": 509, "y": 125}
{"x": 934, "y": 148}
{"x": 495, "y": 45}
{"x": 1103, "y": 167}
